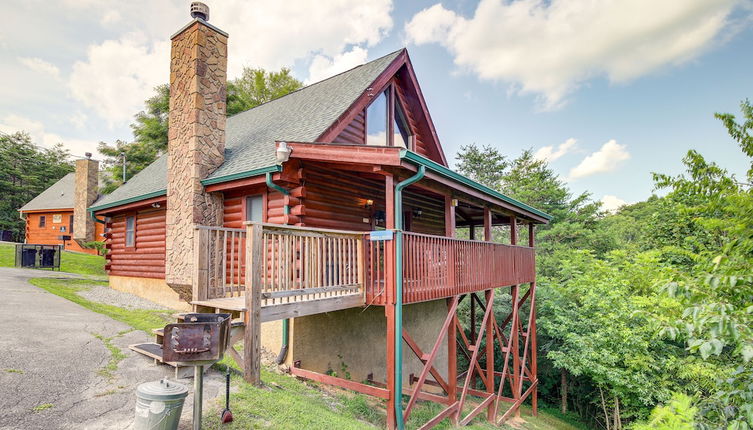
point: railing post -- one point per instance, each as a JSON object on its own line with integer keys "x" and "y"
{"x": 252, "y": 316}
{"x": 201, "y": 264}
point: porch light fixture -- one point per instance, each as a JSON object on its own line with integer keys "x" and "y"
{"x": 283, "y": 152}
{"x": 417, "y": 213}
{"x": 369, "y": 203}
{"x": 155, "y": 205}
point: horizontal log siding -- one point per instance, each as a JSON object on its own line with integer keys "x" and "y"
{"x": 147, "y": 258}
{"x": 50, "y": 233}
{"x": 355, "y": 132}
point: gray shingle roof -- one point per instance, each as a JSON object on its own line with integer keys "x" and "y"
{"x": 58, "y": 196}
{"x": 300, "y": 116}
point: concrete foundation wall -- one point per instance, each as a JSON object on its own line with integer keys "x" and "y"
{"x": 155, "y": 290}
{"x": 358, "y": 336}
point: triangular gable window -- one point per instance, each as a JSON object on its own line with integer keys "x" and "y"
{"x": 385, "y": 126}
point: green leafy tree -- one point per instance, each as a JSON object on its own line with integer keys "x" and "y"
{"x": 256, "y": 86}
{"x": 25, "y": 171}
{"x": 678, "y": 414}
{"x": 252, "y": 88}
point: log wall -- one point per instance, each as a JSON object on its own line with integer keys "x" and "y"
{"x": 147, "y": 258}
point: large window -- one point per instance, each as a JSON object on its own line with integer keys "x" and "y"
{"x": 255, "y": 208}
{"x": 376, "y": 121}
{"x": 381, "y": 121}
{"x": 130, "y": 237}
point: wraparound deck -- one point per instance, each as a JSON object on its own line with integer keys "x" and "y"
{"x": 303, "y": 271}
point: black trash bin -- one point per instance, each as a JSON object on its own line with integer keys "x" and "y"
{"x": 47, "y": 258}
{"x": 29, "y": 257}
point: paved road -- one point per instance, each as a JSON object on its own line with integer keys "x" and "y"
{"x": 49, "y": 355}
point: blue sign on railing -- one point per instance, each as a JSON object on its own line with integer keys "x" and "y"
{"x": 380, "y": 235}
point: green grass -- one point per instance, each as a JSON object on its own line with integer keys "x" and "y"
{"x": 140, "y": 319}
{"x": 71, "y": 262}
{"x": 116, "y": 355}
{"x": 287, "y": 403}
{"x": 42, "y": 407}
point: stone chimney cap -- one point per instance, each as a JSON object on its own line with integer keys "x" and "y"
{"x": 199, "y": 10}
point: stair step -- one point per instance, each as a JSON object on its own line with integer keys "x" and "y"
{"x": 150, "y": 349}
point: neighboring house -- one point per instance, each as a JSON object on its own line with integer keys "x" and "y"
{"x": 51, "y": 216}
{"x": 359, "y": 213}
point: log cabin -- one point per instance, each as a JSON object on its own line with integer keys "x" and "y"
{"x": 326, "y": 222}
{"x": 52, "y": 217}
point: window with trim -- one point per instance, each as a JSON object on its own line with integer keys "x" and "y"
{"x": 70, "y": 224}
{"x": 130, "y": 236}
{"x": 386, "y": 126}
{"x": 255, "y": 208}
{"x": 42, "y": 221}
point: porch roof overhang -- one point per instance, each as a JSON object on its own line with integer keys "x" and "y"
{"x": 381, "y": 156}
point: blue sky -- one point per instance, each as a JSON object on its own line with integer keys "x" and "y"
{"x": 607, "y": 91}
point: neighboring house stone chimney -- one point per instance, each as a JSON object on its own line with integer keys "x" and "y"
{"x": 85, "y": 192}
{"x": 196, "y": 141}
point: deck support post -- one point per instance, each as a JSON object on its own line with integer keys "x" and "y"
{"x": 532, "y": 323}
{"x": 252, "y": 316}
{"x": 389, "y": 308}
{"x": 201, "y": 264}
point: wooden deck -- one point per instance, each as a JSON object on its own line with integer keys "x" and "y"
{"x": 279, "y": 311}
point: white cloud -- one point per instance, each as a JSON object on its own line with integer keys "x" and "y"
{"x": 118, "y": 75}
{"x": 549, "y": 154}
{"x": 78, "y": 119}
{"x": 550, "y": 47}
{"x": 110, "y": 17}
{"x": 608, "y": 158}
{"x": 40, "y": 66}
{"x": 39, "y": 136}
{"x": 612, "y": 203}
{"x": 273, "y": 33}
{"x": 323, "y": 67}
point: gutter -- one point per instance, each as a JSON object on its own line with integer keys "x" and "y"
{"x": 457, "y": 177}
{"x": 286, "y": 322}
{"x": 399, "y": 292}
{"x": 94, "y": 217}
{"x": 241, "y": 175}
{"x": 128, "y": 200}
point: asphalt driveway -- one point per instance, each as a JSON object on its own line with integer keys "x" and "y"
{"x": 51, "y": 361}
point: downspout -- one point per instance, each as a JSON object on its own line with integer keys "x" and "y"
{"x": 286, "y": 322}
{"x": 399, "y": 292}
{"x": 94, "y": 217}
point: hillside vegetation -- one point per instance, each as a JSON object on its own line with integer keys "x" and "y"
{"x": 645, "y": 315}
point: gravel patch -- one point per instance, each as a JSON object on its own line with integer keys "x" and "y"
{"x": 108, "y": 296}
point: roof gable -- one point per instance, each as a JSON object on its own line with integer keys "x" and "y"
{"x": 59, "y": 195}
{"x": 400, "y": 73}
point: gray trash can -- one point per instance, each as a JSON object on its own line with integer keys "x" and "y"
{"x": 159, "y": 404}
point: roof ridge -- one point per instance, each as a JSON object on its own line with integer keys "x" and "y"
{"x": 320, "y": 81}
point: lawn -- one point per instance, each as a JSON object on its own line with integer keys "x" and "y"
{"x": 141, "y": 319}
{"x": 71, "y": 262}
{"x": 286, "y": 403}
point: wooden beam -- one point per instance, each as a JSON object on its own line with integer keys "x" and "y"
{"x": 513, "y": 231}
{"x": 448, "y": 411}
{"x": 487, "y": 224}
{"x": 345, "y": 153}
{"x": 449, "y": 216}
{"x": 283, "y": 311}
{"x": 340, "y": 382}
{"x": 252, "y": 338}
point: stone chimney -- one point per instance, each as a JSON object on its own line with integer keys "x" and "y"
{"x": 86, "y": 190}
{"x": 196, "y": 140}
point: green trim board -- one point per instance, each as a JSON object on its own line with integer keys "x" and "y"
{"x": 129, "y": 200}
{"x": 242, "y": 175}
{"x": 444, "y": 171}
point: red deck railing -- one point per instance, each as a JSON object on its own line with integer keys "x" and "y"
{"x": 313, "y": 263}
{"x": 436, "y": 267}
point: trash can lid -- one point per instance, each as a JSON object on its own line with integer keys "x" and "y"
{"x": 162, "y": 390}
